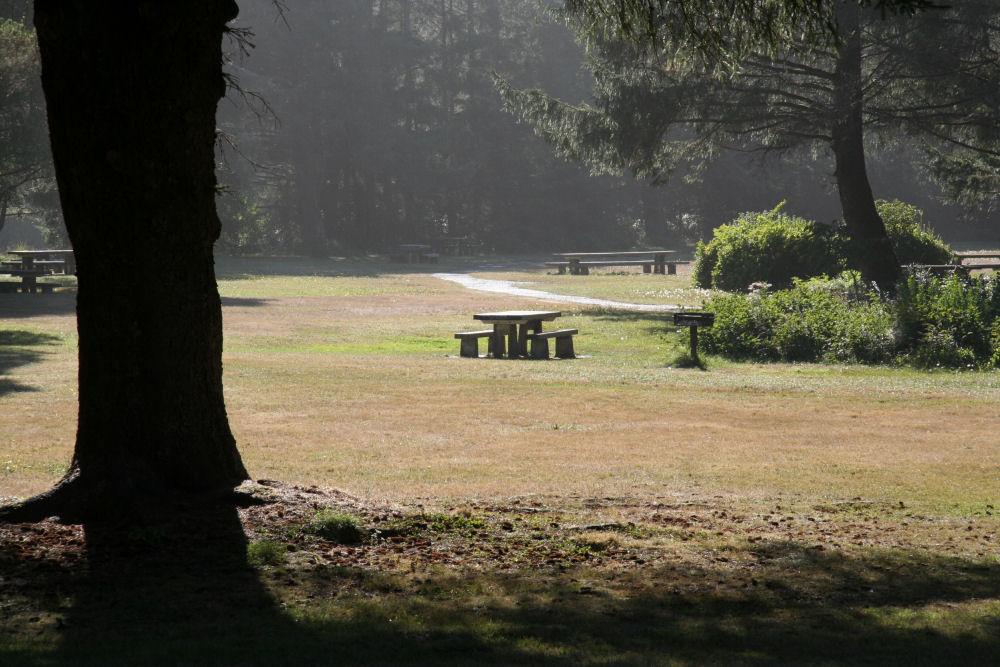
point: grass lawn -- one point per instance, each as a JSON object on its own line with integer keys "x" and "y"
{"x": 610, "y": 509}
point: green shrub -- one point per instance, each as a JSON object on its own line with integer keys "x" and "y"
{"x": 335, "y": 525}
{"x": 776, "y": 248}
{"x": 912, "y": 239}
{"x": 815, "y": 320}
{"x": 938, "y": 348}
{"x": 932, "y": 322}
{"x": 769, "y": 246}
{"x": 267, "y": 552}
{"x": 743, "y": 329}
{"x": 949, "y": 321}
{"x": 995, "y": 344}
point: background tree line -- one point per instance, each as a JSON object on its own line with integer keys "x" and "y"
{"x": 366, "y": 123}
{"x": 382, "y": 125}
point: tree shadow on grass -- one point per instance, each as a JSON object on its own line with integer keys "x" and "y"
{"x": 180, "y": 590}
{"x": 655, "y": 321}
{"x": 175, "y": 588}
{"x": 805, "y": 609}
{"x": 13, "y": 355}
{"x": 23, "y": 306}
{"x": 243, "y": 302}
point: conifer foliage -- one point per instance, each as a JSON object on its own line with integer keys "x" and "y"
{"x": 669, "y": 93}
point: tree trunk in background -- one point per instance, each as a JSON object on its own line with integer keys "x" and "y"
{"x": 871, "y": 244}
{"x": 131, "y": 90}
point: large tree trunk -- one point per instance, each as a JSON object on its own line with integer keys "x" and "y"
{"x": 876, "y": 258}
{"x": 131, "y": 89}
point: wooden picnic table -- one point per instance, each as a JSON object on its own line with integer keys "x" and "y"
{"x": 33, "y": 264}
{"x": 514, "y": 326}
{"x": 30, "y": 257}
{"x": 580, "y": 262}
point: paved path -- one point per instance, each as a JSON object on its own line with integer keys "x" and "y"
{"x": 511, "y": 288}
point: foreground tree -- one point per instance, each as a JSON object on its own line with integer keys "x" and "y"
{"x": 131, "y": 90}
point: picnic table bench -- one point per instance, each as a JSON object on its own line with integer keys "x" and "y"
{"x": 29, "y": 281}
{"x": 960, "y": 256}
{"x": 580, "y": 263}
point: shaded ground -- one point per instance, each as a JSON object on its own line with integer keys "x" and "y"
{"x": 529, "y": 581}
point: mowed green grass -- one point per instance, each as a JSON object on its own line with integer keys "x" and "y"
{"x": 762, "y": 514}
{"x": 346, "y": 373}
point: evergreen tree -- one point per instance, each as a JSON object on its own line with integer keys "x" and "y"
{"x": 25, "y": 162}
{"x": 658, "y": 106}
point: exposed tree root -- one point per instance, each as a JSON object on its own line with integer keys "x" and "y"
{"x": 75, "y": 500}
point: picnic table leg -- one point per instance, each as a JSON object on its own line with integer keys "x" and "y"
{"x": 522, "y": 339}
{"x": 497, "y": 346}
{"x": 539, "y": 348}
{"x": 564, "y": 347}
{"x": 513, "y": 342}
{"x": 534, "y": 326}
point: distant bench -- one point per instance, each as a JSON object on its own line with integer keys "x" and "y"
{"x": 651, "y": 261}
{"x": 947, "y": 269}
{"x": 961, "y": 256}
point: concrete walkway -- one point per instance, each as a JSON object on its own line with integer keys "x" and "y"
{"x": 511, "y": 289}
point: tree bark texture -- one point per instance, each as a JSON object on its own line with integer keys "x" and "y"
{"x": 131, "y": 89}
{"x": 876, "y": 258}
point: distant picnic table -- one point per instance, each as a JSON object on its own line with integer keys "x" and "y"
{"x": 963, "y": 263}
{"x": 962, "y": 259}
{"x": 413, "y": 253}
{"x": 33, "y": 264}
{"x": 652, "y": 261}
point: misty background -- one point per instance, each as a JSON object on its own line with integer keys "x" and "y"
{"x": 356, "y": 125}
